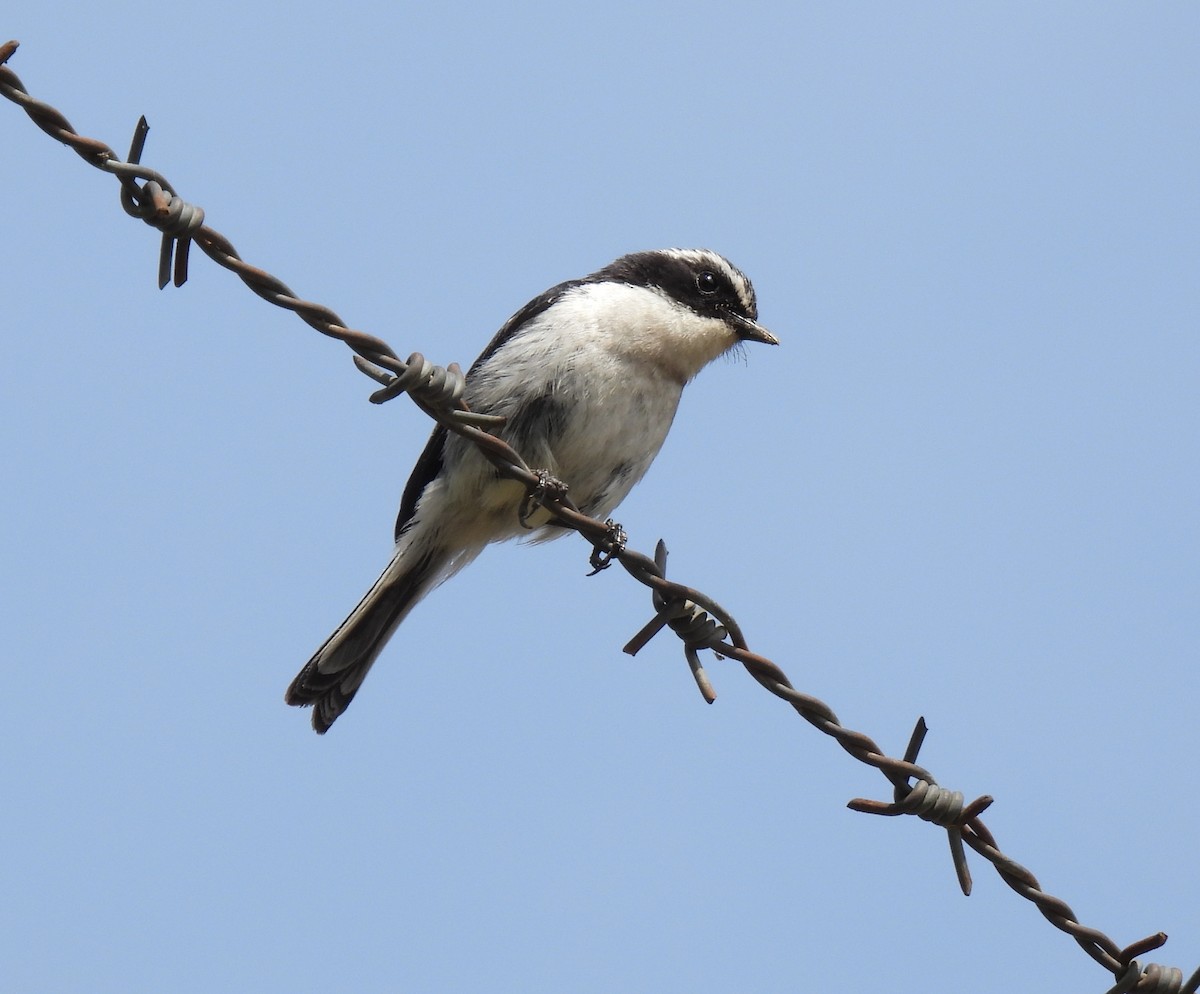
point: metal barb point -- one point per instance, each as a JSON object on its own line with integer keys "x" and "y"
{"x": 1142, "y": 946}
{"x": 701, "y": 678}
{"x": 138, "y": 144}
{"x": 916, "y": 740}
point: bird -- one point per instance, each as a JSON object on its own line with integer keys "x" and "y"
{"x": 588, "y": 377}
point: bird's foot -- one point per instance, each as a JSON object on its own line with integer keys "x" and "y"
{"x": 548, "y": 486}
{"x": 612, "y": 545}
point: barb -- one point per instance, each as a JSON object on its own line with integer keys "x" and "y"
{"x": 931, "y": 803}
{"x": 698, "y": 620}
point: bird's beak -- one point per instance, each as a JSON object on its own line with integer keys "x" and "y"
{"x": 752, "y": 331}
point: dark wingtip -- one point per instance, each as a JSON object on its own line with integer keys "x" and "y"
{"x": 326, "y": 701}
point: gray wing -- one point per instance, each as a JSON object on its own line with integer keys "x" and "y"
{"x": 429, "y": 465}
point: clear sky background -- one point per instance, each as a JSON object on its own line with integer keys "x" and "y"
{"x": 966, "y": 486}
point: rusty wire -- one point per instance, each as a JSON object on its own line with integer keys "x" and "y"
{"x": 698, "y": 620}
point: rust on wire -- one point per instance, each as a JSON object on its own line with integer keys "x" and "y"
{"x": 698, "y": 620}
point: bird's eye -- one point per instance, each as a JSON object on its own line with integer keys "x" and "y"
{"x": 707, "y": 282}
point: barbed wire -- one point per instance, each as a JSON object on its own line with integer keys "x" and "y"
{"x": 698, "y": 620}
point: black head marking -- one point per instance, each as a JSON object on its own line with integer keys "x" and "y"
{"x": 707, "y": 283}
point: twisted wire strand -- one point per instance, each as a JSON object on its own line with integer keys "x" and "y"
{"x": 698, "y": 620}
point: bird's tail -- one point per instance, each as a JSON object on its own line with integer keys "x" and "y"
{"x": 332, "y": 677}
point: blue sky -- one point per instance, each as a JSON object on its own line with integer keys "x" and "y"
{"x": 964, "y": 487}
